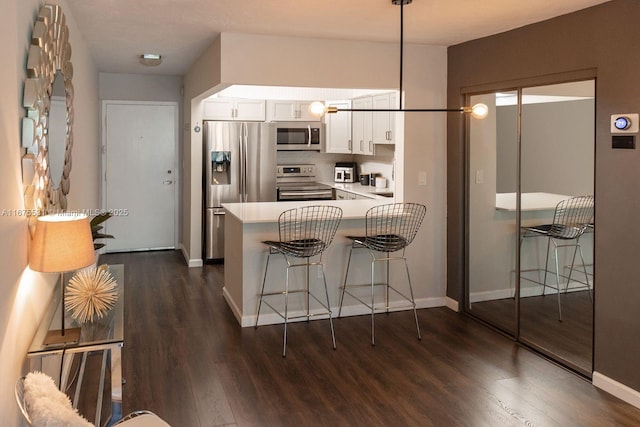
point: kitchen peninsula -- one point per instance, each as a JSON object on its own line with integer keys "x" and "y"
{"x": 247, "y": 225}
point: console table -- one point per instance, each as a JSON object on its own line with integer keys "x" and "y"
{"x": 105, "y": 335}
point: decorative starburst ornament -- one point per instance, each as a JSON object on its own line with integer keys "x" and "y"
{"x": 91, "y": 293}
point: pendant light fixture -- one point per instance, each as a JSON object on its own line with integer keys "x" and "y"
{"x": 478, "y": 111}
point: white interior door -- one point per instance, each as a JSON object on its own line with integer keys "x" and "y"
{"x": 139, "y": 167}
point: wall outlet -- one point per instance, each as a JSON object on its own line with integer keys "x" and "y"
{"x": 422, "y": 178}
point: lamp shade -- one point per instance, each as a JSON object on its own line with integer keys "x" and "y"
{"x": 61, "y": 243}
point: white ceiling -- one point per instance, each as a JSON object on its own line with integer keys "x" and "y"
{"x": 118, "y": 31}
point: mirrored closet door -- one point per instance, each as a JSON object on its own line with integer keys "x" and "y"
{"x": 530, "y": 218}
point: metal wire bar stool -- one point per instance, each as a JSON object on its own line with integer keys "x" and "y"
{"x": 571, "y": 219}
{"x": 389, "y": 229}
{"x": 304, "y": 233}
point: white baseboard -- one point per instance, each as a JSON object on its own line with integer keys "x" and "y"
{"x": 270, "y": 318}
{"x": 190, "y": 262}
{"x": 617, "y": 389}
{"x": 234, "y": 307}
{"x": 528, "y": 291}
{"x": 452, "y": 304}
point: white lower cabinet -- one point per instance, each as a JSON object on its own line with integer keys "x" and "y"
{"x": 348, "y": 195}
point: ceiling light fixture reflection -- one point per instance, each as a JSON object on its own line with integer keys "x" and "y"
{"x": 478, "y": 111}
{"x": 150, "y": 59}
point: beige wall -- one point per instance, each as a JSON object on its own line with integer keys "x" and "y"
{"x": 600, "y": 41}
{"x": 23, "y": 294}
{"x": 271, "y": 60}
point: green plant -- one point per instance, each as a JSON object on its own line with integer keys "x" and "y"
{"x": 96, "y": 229}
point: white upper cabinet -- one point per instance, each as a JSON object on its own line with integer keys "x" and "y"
{"x": 384, "y": 122}
{"x": 289, "y": 111}
{"x": 234, "y": 109}
{"x": 362, "y": 129}
{"x": 338, "y": 129}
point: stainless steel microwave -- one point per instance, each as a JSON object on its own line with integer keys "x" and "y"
{"x": 298, "y": 136}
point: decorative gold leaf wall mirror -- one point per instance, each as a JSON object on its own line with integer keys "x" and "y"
{"x": 47, "y": 129}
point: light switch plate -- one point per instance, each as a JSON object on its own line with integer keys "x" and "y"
{"x": 422, "y": 178}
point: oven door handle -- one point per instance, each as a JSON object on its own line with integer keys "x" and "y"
{"x": 304, "y": 193}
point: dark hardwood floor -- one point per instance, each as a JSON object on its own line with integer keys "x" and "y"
{"x": 187, "y": 359}
{"x": 570, "y": 340}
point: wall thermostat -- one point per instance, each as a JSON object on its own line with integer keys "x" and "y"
{"x": 624, "y": 123}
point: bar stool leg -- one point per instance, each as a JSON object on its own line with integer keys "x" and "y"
{"x": 326, "y": 293}
{"x": 344, "y": 284}
{"x": 387, "y": 287}
{"x": 286, "y": 312}
{"x": 413, "y": 301}
{"x": 586, "y": 277}
{"x": 373, "y": 327}
{"x": 555, "y": 249}
{"x": 264, "y": 279}
{"x": 307, "y": 295}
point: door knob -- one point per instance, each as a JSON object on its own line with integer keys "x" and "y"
{"x": 167, "y": 182}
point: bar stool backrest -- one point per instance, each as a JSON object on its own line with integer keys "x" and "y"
{"x": 572, "y": 217}
{"x": 308, "y": 231}
{"x": 393, "y": 227}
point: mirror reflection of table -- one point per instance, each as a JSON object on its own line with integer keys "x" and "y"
{"x": 104, "y": 335}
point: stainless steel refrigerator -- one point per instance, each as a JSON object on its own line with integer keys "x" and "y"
{"x": 239, "y": 166}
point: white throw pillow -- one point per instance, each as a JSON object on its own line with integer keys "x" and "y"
{"x": 48, "y": 406}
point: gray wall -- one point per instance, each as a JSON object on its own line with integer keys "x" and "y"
{"x": 602, "y": 42}
{"x": 557, "y": 148}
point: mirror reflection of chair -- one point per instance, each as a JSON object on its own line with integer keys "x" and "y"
{"x": 389, "y": 230}
{"x": 304, "y": 233}
{"x": 42, "y": 404}
{"x": 572, "y": 217}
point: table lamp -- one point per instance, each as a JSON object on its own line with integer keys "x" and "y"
{"x": 61, "y": 243}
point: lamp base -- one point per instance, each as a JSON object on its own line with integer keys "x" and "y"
{"x": 71, "y": 336}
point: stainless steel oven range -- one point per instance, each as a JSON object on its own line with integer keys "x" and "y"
{"x": 298, "y": 182}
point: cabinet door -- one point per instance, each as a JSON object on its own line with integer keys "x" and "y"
{"x": 283, "y": 111}
{"x": 362, "y": 132}
{"x": 250, "y": 109}
{"x": 304, "y": 114}
{"x": 361, "y": 197}
{"x": 341, "y": 195}
{"x": 218, "y": 109}
{"x": 384, "y": 122}
{"x": 338, "y": 129}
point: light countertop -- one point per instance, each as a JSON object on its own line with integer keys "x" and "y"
{"x": 363, "y": 190}
{"x": 258, "y": 212}
{"x": 529, "y": 201}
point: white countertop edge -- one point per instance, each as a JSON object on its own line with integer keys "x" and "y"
{"x": 260, "y": 212}
{"x": 362, "y": 190}
{"x": 536, "y": 201}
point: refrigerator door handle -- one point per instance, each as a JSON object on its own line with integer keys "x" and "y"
{"x": 245, "y": 137}
{"x": 241, "y": 162}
